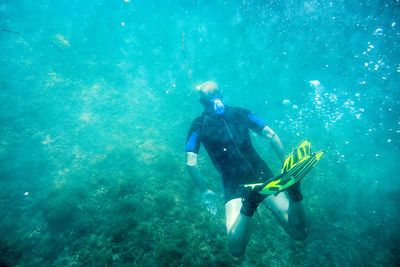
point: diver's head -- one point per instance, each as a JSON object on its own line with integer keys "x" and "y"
{"x": 210, "y": 95}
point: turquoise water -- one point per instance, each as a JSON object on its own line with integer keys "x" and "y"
{"x": 96, "y": 102}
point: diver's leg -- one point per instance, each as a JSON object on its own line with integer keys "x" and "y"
{"x": 290, "y": 214}
{"x": 237, "y": 226}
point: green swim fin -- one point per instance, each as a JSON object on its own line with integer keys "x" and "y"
{"x": 295, "y": 167}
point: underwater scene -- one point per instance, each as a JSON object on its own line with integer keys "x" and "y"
{"x": 97, "y": 98}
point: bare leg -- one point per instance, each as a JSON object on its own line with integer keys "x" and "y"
{"x": 237, "y": 226}
{"x": 290, "y": 214}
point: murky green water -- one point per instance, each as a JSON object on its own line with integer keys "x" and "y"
{"x": 96, "y": 102}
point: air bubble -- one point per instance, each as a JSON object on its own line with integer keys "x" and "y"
{"x": 315, "y": 83}
{"x": 286, "y": 102}
{"x": 378, "y": 31}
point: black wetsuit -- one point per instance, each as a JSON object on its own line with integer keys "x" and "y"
{"x": 227, "y": 140}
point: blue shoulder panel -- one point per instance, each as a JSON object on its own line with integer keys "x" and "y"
{"x": 256, "y": 120}
{"x": 191, "y": 144}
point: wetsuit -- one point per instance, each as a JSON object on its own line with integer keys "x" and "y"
{"x": 227, "y": 140}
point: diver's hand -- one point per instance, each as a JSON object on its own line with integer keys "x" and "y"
{"x": 209, "y": 200}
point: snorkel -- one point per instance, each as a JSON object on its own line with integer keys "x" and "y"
{"x": 218, "y": 106}
{"x": 211, "y": 96}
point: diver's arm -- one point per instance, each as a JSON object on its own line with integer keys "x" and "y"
{"x": 276, "y": 143}
{"x": 207, "y": 195}
{"x": 193, "y": 169}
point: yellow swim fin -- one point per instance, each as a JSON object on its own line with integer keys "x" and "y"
{"x": 296, "y": 165}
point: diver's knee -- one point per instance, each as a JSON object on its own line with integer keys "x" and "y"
{"x": 297, "y": 221}
{"x": 236, "y": 244}
{"x": 299, "y": 235}
{"x": 237, "y": 250}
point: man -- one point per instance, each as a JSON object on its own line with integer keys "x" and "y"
{"x": 224, "y": 132}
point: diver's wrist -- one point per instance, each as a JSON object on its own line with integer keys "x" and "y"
{"x": 207, "y": 191}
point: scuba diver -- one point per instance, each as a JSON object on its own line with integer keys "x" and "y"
{"x": 224, "y": 132}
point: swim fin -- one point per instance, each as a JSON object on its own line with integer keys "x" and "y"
{"x": 295, "y": 167}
